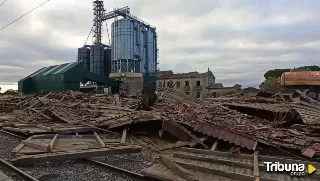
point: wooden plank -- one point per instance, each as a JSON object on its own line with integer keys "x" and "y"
{"x": 44, "y": 128}
{"x": 32, "y": 159}
{"x": 218, "y": 153}
{"x": 214, "y": 146}
{"x": 16, "y": 130}
{"x": 35, "y": 145}
{"x": 180, "y": 144}
{"x": 74, "y": 130}
{"x": 173, "y": 145}
{"x": 232, "y": 175}
{"x": 164, "y": 176}
{"x": 101, "y": 143}
{"x": 175, "y": 168}
{"x": 213, "y": 160}
{"x": 53, "y": 141}
{"x": 256, "y": 168}
{"x": 20, "y": 146}
{"x": 124, "y": 135}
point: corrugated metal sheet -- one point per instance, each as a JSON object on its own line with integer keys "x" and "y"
{"x": 226, "y": 135}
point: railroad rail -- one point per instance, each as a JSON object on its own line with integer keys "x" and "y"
{"x": 17, "y": 171}
{"x": 28, "y": 177}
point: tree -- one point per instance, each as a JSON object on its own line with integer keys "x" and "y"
{"x": 278, "y": 72}
{"x": 10, "y": 92}
{"x": 272, "y": 84}
{"x": 275, "y": 73}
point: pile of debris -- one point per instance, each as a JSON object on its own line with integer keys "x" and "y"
{"x": 71, "y": 125}
{"x": 72, "y": 108}
{"x": 248, "y": 121}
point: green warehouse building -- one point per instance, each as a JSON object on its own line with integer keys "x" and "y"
{"x": 62, "y": 77}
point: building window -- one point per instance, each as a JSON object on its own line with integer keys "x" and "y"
{"x": 198, "y": 94}
{"x": 186, "y": 83}
{"x": 188, "y": 93}
{"x": 198, "y": 83}
{"x": 178, "y": 85}
{"x": 160, "y": 84}
{"x": 169, "y": 84}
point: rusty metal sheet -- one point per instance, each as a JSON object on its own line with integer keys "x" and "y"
{"x": 225, "y": 135}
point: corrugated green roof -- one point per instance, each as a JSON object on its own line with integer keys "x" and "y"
{"x": 55, "y": 69}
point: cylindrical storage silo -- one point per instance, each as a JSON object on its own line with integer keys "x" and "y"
{"x": 107, "y": 61}
{"x": 97, "y": 61}
{"x": 126, "y": 46}
{"x": 152, "y": 51}
{"x": 134, "y": 47}
{"x": 84, "y": 55}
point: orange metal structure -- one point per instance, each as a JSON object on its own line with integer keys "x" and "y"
{"x": 307, "y": 78}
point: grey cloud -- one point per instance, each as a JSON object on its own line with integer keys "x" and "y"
{"x": 30, "y": 50}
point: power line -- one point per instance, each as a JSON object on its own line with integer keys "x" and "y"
{"x": 24, "y": 15}
{"x": 3, "y": 3}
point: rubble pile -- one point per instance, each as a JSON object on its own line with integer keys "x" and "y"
{"x": 225, "y": 115}
{"x": 72, "y": 108}
{"x": 71, "y": 125}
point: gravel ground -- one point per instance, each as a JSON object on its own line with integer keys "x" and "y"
{"x": 10, "y": 174}
{"x": 7, "y": 144}
{"x": 73, "y": 170}
{"x": 134, "y": 162}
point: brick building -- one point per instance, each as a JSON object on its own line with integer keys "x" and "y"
{"x": 192, "y": 83}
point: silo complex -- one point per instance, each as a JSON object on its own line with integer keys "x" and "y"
{"x": 84, "y": 55}
{"x": 107, "y": 61}
{"x": 97, "y": 60}
{"x": 133, "y": 47}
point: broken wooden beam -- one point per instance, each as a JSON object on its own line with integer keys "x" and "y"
{"x": 53, "y": 141}
{"x": 37, "y": 146}
{"x": 176, "y": 168}
{"x": 101, "y": 143}
{"x": 256, "y": 173}
{"x": 124, "y": 135}
{"x": 74, "y": 154}
{"x": 180, "y": 144}
{"x": 214, "y": 146}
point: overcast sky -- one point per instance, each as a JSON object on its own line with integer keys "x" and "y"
{"x": 239, "y": 40}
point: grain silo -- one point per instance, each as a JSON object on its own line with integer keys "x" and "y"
{"x": 84, "y": 55}
{"x": 133, "y": 47}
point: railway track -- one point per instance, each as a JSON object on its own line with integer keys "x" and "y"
{"x": 23, "y": 175}
{"x": 90, "y": 165}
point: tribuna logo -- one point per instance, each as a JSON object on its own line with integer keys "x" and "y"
{"x": 293, "y": 169}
